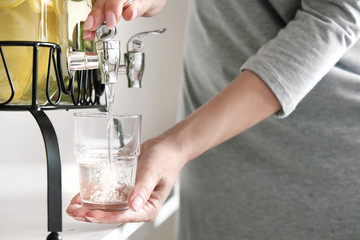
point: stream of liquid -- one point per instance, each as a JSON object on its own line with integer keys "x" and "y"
{"x": 110, "y": 95}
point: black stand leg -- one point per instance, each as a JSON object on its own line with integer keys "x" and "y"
{"x": 53, "y": 174}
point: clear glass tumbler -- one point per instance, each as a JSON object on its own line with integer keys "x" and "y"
{"x": 106, "y": 148}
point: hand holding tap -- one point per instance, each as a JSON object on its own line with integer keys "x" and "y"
{"x": 112, "y": 10}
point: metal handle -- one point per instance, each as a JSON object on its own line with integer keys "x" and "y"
{"x": 104, "y": 33}
{"x": 135, "y": 43}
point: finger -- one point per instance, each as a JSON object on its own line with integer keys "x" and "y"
{"x": 131, "y": 12}
{"x": 89, "y": 35}
{"x": 76, "y": 199}
{"x": 113, "y": 11}
{"x": 75, "y": 203}
{"x": 80, "y": 213}
{"x": 71, "y": 208}
{"x": 146, "y": 214}
{"x": 109, "y": 217}
{"x": 95, "y": 17}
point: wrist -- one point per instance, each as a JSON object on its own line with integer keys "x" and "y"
{"x": 169, "y": 144}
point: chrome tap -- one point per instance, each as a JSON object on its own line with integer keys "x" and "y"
{"x": 108, "y": 56}
{"x": 134, "y": 58}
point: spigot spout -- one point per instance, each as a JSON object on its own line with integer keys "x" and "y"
{"x": 134, "y": 62}
{"x": 109, "y": 60}
{"x": 108, "y": 55}
{"x": 77, "y": 60}
{"x": 135, "y": 58}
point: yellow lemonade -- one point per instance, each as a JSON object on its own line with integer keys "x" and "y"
{"x": 30, "y": 20}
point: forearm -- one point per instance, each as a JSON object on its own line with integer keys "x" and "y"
{"x": 242, "y": 104}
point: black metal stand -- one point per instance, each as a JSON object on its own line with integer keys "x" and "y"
{"x": 53, "y": 173}
{"x": 85, "y": 90}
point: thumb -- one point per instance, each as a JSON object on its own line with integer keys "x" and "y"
{"x": 146, "y": 182}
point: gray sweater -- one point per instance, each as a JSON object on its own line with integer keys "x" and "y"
{"x": 296, "y": 175}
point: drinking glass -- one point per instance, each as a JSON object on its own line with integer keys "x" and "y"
{"x": 106, "y": 148}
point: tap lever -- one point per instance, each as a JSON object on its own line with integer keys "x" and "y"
{"x": 104, "y": 33}
{"x": 135, "y": 43}
{"x": 108, "y": 57}
{"x": 134, "y": 58}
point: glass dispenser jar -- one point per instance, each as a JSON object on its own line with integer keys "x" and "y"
{"x": 55, "y": 21}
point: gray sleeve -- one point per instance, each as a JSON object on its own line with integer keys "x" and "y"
{"x": 294, "y": 61}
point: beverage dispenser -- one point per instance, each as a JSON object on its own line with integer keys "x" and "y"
{"x": 45, "y": 64}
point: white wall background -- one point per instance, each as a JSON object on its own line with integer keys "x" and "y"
{"x": 22, "y": 153}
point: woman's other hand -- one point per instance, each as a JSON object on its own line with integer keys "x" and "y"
{"x": 158, "y": 167}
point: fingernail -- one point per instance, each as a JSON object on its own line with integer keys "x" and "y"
{"x": 137, "y": 203}
{"x": 134, "y": 15}
{"x": 86, "y": 34}
{"x": 93, "y": 220}
{"x": 80, "y": 218}
{"x": 110, "y": 20}
{"x": 88, "y": 23}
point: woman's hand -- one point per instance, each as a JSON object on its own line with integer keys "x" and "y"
{"x": 112, "y": 10}
{"x": 158, "y": 167}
